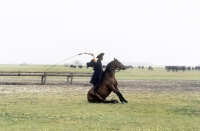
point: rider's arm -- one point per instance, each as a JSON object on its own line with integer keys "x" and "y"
{"x": 93, "y": 57}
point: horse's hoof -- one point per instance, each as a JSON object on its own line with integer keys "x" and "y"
{"x": 115, "y": 101}
{"x": 124, "y": 102}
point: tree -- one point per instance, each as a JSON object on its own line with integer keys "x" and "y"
{"x": 77, "y": 62}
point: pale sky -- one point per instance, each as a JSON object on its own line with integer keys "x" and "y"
{"x": 162, "y": 32}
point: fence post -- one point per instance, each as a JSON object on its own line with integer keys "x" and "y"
{"x": 67, "y": 79}
{"x": 71, "y": 78}
{"x": 43, "y": 79}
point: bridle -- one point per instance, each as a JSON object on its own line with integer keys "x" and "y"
{"x": 117, "y": 70}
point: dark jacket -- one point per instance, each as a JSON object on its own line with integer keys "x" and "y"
{"x": 97, "y": 75}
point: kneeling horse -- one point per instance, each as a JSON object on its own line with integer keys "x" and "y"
{"x": 108, "y": 84}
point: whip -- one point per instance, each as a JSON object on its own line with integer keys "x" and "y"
{"x": 67, "y": 59}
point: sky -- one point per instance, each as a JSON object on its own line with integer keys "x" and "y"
{"x": 162, "y": 32}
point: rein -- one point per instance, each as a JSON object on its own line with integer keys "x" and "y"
{"x": 115, "y": 70}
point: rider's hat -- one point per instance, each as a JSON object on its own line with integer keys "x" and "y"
{"x": 100, "y": 55}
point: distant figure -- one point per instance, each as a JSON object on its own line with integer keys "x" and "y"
{"x": 189, "y": 68}
{"x": 129, "y": 66}
{"x": 192, "y": 68}
{"x": 72, "y": 66}
{"x": 150, "y": 68}
{"x": 80, "y": 66}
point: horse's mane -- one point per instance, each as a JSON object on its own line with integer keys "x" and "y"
{"x": 108, "y": 67}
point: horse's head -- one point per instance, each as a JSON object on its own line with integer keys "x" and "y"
{"x": 114, "y": 65}
{"x": 118, "y": 65}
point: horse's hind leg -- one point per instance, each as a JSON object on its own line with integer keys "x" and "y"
{"x": 97, "y": 98}
{"x": 100, "y": 99}
{"x": 112, "y": 101}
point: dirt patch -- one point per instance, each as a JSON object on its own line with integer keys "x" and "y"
{"x": 25, "y": 85}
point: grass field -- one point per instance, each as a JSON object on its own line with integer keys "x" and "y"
{"x": 70, "y": 111}
{"x": 129, "y": 74}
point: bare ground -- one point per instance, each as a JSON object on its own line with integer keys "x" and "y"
{"x": 25, "y": 85}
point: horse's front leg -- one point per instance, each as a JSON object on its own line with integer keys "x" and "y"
{"x": 122, "y": 98}
{"x": 116, "y": 91}
{"x": 119, "y": 93}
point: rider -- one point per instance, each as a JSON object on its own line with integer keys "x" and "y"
{"x": 97, "y": 75}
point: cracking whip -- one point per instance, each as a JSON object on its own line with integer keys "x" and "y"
{"x": 67, "y": 59}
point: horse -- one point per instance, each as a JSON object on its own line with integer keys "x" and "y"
{"x": 108, "y": 84}
{"x": 72, "y": 66}
{"x": 150, "y": 68}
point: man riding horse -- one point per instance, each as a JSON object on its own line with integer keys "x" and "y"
{"x": 98, "y": 70}
{"x": 104, "y": 82}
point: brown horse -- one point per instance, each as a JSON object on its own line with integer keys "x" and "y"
{"x": 109, "y": 84}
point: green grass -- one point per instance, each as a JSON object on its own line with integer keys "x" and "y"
{"x": 42, "y": 68}
{"x": 72, "y": 112}
{"x": 130, "y": 74}
{"x": 157, "y": 74}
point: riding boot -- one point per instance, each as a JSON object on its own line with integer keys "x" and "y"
{"x": 95, "y": 89}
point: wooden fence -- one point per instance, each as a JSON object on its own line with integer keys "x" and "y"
{"x": 44, "y": 75}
